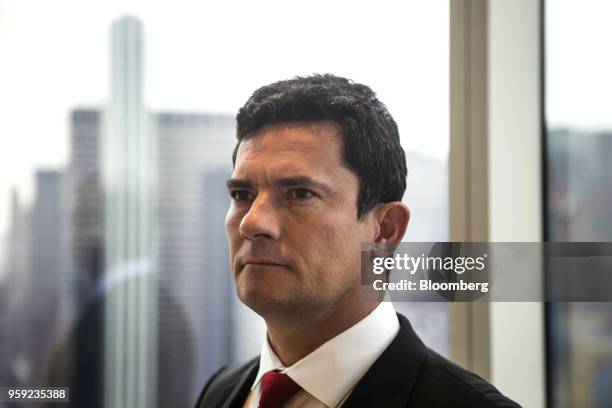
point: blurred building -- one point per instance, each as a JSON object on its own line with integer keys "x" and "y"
{"x": 580, "y": 209}
{"x": 18, "y": 264}
{"x": 194, "y": 293}
{"x": 18, "y": 364}
{"x": 214, "y": 350}
{"x": 193, "y": 279}
{"x": 129, "y": 177}
{"x": 85, "y": 195}
{"x": 78, "y": 356}
{"x": 579, "y": 186}
{"x": 126, "y": 251}
{"x": 426, "y": 201}
{"x": 48, "y": 259}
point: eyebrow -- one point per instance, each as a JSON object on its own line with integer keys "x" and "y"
{"x": 237, "y": 183}
{"x": 299, "y": 181}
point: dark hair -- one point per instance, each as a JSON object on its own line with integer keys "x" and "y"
{"x": 371, "y": 145}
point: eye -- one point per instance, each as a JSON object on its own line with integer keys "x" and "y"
{"x": 301, "y": 194}
{"x": 241, "y": 195}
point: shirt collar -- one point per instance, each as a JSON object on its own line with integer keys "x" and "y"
{"x": 333, "y": 369}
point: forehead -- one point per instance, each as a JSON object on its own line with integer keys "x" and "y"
{"x": 298, "y": 147}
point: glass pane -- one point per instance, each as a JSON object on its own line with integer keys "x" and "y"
{"x": 579, "y": 144}
{"x": 115, "y": 144}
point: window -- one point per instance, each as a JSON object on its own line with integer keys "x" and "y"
{"x": 579, "y": 194}
{"x": 115, "y": 273}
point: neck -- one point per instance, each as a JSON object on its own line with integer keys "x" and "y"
{"x": 294, "y": 337}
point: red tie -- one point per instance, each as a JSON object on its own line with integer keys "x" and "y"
{"x": 276, "y": 389}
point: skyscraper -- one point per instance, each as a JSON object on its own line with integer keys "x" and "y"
{"x": 148, "y": 245}
{"x": 19, "y": 364}
{"x": 77, "y": 359}
{"x": 130, "y": 228}
{"x": 85, "y": 194}
{"x": 48, "y": 262}
{"x": 194, "y": 319}
{"x": 19, "y": 249}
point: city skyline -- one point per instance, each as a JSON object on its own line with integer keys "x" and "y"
{"x": 197, "y": 61}
{"x": 188, "y": 151}
{"x": 126, "y": 159}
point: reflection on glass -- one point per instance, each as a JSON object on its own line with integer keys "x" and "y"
{"x": 114, "y": 271}
{"x": 579, "y": 144}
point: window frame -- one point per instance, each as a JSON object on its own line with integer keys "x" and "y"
{"x": 496, "y": 115}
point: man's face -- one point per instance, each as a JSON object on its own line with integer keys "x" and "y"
{"x": 292, "y": 226}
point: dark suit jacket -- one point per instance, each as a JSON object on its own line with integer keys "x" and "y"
{"x": 407, "y": 374}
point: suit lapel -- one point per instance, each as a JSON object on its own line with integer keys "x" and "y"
{"x": 390, "y": 380}
{"x": 242, "y": 386}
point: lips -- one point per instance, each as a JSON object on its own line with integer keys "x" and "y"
{"x": 261, "y": 261}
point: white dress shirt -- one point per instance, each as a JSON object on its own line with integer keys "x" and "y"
{"x": 329, "y": 374}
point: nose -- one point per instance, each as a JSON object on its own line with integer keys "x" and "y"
{"x": 262, "y": 219}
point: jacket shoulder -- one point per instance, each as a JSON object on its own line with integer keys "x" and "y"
{"x": 457, "y": 386}
{"x": 225, "y": 382}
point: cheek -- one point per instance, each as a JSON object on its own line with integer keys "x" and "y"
{"x": 338, "y": 243}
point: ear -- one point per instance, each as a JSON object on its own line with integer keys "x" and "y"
{"x": 392, "y": 219}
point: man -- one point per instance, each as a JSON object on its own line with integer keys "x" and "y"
{"x": 318, "y": 169}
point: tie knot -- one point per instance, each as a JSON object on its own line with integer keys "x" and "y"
{"x": 276, "y": 389}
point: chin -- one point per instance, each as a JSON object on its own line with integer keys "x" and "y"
{"x": 263, "y": 299}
